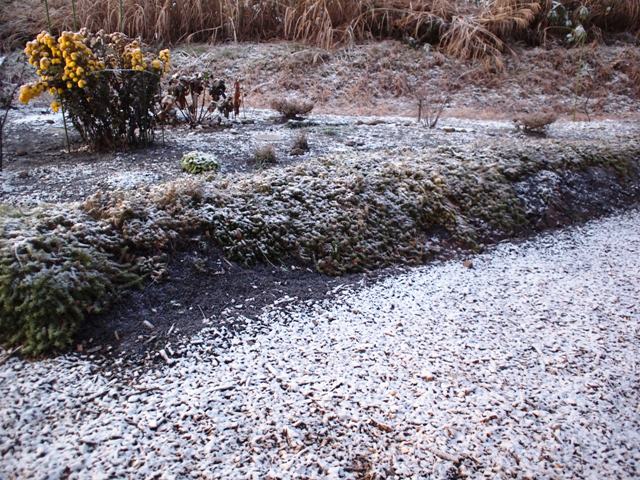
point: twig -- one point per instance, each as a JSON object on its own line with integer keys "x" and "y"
{"x": 10, "y": 354}
{"x": 382, "y": 426}
{"x": 6, "y": 104}
{"x": 46, "y": 9}
{"x": 95, "y": 396}
{"x": 432, "y": 118}
{"x": 142, "y": 391}
{"x": 444, "y": 455}
{"x": 75, "y": 16}
{"x": 66, "y": 131}
{"x": 121, "y": 23}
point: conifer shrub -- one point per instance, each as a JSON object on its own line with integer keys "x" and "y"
{"x": 55, "y": 269}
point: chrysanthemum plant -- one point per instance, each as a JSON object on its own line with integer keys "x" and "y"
{"x": 108, "y": 84}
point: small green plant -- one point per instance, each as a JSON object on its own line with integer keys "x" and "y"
{"x": 265, "y": 155}
{"x": 52, "y": 277}
{"x": 199, "y": 162}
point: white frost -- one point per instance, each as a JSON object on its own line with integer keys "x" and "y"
{"x": 523, "y": 366}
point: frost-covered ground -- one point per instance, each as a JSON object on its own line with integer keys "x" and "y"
{"x": 38, "y": 169}
{"x": 523, "y": 366}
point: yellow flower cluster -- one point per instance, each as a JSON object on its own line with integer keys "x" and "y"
{"x": 62, "y": 64}
{"x": 133, "y": 57}
{"x": 66, "y": 64}
{"x": 79, "y": 60}
{"x": 165, "y": 57}
{"x": 31, "y": 91}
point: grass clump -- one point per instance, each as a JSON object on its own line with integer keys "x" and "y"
{"x": 264, "y": 156}
{"x": 535, "y": 123}
{"x": 475, "y": 30}
{"x": 292, "y": 108}
{"x": 300, "y": 144}
{"x": 199, "y": 162}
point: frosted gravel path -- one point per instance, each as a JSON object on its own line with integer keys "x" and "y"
{"x": 524, "y": 366}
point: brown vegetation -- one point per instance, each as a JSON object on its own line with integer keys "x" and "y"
{"x": 300, "y": 144}
{"x": 265, "y": 155}
{"x": 535, "y": 123}
{"x": 292, "y": 107}
{"x": 464, "y": 29}
{"x": 387, "y": 78}
{"x": 10, "y": 81}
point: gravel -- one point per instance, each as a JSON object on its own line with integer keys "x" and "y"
{"x": 517, "y": 363}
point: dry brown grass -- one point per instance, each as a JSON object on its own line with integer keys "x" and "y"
{"x": 463, "y": 29}
{"x": 535, "y": 123}
{"x": 615, "y": 14}
{"x": 291, "y": 108}
{"x": 264, "y": 156}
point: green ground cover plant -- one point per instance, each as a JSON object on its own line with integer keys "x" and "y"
{"x": 59, "y": 265}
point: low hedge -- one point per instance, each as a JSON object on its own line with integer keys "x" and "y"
{"x": 339, "y": 214}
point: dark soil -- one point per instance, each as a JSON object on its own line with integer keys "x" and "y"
{"x": 201, "y": 289}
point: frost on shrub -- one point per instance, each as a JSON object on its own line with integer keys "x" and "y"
{"x": 345, "y": 214}
{"x": 339, "y": 214}
{"x": 199, "y": 162}
{"x": 54, "y": 270}
{"x": 291, "y": 108}
{"x": 109, "y": 85}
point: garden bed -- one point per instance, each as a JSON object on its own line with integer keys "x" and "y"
{"x": 342, "y": 212}
{"x": 364, "y": 194}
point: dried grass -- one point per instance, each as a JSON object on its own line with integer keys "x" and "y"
{"x": 535, "y": 123}
{"x": 291, "y": 108}
{"x": 465, "y": 29}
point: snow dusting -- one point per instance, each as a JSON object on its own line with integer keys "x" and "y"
{"x": 520, "y": 363}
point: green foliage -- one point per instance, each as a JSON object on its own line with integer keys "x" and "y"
{"x": 199, "y": 162}
{"x": 345, "y": 214}
{"x": 53, "y": 273}
{"x": 339, "y": 214}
